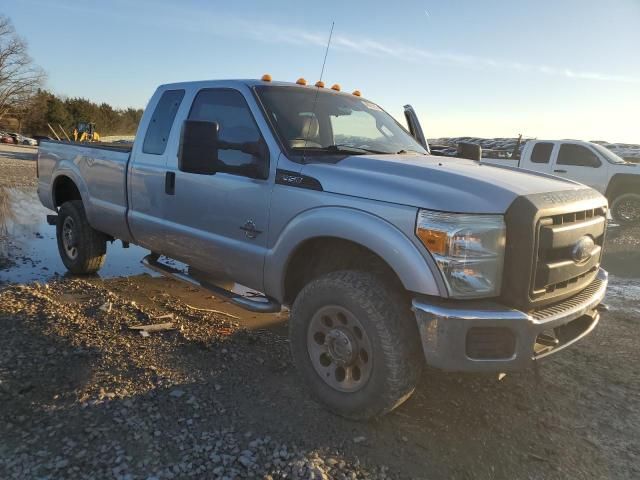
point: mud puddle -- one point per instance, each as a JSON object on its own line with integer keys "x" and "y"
{"x": 28, "y": 247}
{"x": 29, "y": 252}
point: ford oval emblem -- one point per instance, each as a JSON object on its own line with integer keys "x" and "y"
{"x": 583, "y": 249}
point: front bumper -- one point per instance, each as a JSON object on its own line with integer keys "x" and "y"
{"x": 486, "y": 336}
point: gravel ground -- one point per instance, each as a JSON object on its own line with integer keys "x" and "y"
{"x": 84, "y": 396}
{"x": 17, "y": 168}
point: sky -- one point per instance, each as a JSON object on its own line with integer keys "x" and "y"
{"x": 544, "y": 69}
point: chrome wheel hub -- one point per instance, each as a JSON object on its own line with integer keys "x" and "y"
{"x": 69, "y": 242}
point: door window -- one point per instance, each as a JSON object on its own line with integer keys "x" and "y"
{"x": 541, "y": 152}
{"x": 155, "y": 140}
{"x": 571, "y": 154}
{"x": 230, "y": 111}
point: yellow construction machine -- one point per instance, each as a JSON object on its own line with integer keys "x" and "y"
{"x": 86, "y": 132}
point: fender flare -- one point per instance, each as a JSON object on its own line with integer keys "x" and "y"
{"x": 72, "y": 175}
{"x": 620, "y": 182}
{"x": 417, "y": 271}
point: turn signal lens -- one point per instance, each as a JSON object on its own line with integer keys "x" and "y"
{"x": 468, "y": 249}
{"x": 356, "y": 93}
{"x": 320, "y": 84}
{"x": 301, "y": 81}
{"x": 266, "y": 77}
{"x": 434, "y": 240}
{"x": 335, "y": 87}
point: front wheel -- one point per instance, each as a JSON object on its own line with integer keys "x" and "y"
{"x": 355, "y": 342}
{"x": 82, "y": 249}
{"x": 625, "y": 209}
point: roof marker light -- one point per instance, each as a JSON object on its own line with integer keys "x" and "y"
{"x": 320, "y": 84}
{"x": 266, "y": 77}
{"x": 335, "y": 87}
{"x": 356, "y": 93}
{"x": 301, "y": 81}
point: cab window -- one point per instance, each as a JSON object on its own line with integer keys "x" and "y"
{"x": 577, "y": 155}
{"x": 541, "y": 152}
{"x": 155, "y": 140}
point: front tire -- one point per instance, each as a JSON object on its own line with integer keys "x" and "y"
{"x": 625, "y": 209}
{"x": 82, "y": 249}
{"x": 356, "y": 344}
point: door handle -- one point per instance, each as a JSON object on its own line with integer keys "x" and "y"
{"x": 560, "y": 171}
{"x": 170, "y": 183}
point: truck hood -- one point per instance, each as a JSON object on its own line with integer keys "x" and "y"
{"x": 437, "y": 183}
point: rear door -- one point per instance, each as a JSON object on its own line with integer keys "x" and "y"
{"x": 147, "y": 177}
{"x": 582, "y": 164}
{"x": 218, "y": 223}
{"x": 539, "y": 157}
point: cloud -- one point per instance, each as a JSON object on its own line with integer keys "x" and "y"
{"x": 202, "y": 22}
{"x": 266, "y": 32}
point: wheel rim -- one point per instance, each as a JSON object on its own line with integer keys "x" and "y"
{"x": 628, "y": 209}
{"x": 339, "y": 349}
{"x": 69, "y": 238}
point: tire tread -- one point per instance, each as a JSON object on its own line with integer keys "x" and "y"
{"x": 388, "y": 309}
{"x": 92, "y": 250}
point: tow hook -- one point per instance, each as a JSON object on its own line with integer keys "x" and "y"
{"x": 547, "y": 340}
{"x": 602, "y": 307}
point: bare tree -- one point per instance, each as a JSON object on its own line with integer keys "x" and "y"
{"x": 19, "y": 76}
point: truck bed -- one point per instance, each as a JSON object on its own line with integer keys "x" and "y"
{"x": 99, "y": 171}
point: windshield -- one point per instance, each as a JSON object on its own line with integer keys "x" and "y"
{"x": 608, "y": 154}
{"x": 333, "y": 123}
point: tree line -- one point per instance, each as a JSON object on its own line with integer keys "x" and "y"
{"x": 47, "y": 108}
{"x": 25, "y": 106}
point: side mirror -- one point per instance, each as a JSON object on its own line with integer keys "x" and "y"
{"x": 471, "y": 151}
{"x": 258, "y": 149}
{"x": 198, "y": 151}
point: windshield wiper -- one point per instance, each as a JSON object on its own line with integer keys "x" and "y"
{"x": 399, "y": 152}
{"x": 342, "y": 149}
{"x": 349, "y": 148}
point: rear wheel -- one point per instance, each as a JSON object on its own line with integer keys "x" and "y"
{"x": 355, "y": 343}
{"x": 625, "y": 209}
{"x": 82, "y": 249}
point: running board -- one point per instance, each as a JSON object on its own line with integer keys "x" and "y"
{"x": 261, "y": 304}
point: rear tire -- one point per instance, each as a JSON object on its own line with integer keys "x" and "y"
{"x": 625, "y": 209}
{"x": 82, "y": 249}
{"x": 356, "y": 344}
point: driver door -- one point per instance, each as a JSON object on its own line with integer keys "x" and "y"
{"x": 581, "y": 164}
{"x": 219, "y": 222}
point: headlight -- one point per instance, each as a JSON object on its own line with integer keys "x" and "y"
{"x": 469, "y": 250}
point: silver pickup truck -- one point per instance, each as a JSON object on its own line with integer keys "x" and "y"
{"x": 386, "y": 255}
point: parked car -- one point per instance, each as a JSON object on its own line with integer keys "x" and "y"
{"x": 7, "y": 138}
{"x": 39, "y": 138}
{"x": 387, "y": 256}
{"x": 28, "y": 141}
{"x": 588, "y": 163}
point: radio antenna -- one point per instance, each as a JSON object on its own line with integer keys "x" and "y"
{"x": 326, "y": 52}
{"x": 315, "y": 100}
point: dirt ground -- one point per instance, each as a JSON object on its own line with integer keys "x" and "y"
{"x": 84, "y": 396}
